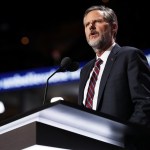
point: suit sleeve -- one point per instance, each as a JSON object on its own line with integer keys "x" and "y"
{"x": 139, "y": 84}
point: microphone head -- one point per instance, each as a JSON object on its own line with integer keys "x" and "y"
{"x": 67, "y": 65}
{"x": 65, "y": 62}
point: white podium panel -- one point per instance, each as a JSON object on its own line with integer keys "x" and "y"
{"x": 63, "y": 125}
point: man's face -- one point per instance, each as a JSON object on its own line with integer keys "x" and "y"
{"x": 97, "y": 30}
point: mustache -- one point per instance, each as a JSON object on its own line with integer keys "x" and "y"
{"x": 93, "y": 32}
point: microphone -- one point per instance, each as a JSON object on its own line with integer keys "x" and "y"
{"x": 66, "y": 65}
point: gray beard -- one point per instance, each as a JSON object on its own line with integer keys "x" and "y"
{"x": 98, "y": 45}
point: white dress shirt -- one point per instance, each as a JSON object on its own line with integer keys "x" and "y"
{"x": 103, "y": 57}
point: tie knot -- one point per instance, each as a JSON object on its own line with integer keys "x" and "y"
{"x": 98, "y": 62}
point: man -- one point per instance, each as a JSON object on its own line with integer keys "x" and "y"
{"x": 122, "y": 88}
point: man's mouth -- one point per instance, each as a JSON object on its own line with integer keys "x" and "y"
{"x": 93, "y": 35}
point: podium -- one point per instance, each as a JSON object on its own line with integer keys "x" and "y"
{"x": 62, "y": 125}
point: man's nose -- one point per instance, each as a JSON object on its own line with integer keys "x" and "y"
{"x": 92, "y": 25}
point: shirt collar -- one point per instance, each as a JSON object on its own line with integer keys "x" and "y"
{"x": 105, "y": 55}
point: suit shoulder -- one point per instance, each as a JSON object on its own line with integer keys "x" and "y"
{"x": 131, "y": 50}
{"x": 132, "y": 53}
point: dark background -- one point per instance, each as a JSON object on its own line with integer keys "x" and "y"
{"x": 38, "y": 34}
{"x": 55, "y": 30}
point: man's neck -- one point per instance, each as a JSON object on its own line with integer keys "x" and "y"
{"x": 99, "y": 52}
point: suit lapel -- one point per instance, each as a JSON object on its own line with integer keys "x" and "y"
{"x": 85, "y": 76}
{"x": 106, "y": 73}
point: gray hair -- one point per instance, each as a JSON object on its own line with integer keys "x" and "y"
{"x": 108, "y": 14}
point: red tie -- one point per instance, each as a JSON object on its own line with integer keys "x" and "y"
{"x": 90, "y": 93}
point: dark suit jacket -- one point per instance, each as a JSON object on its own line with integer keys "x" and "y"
{"x": 124, "y": 90}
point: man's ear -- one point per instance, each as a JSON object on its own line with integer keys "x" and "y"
{"x": 114, "y": 27}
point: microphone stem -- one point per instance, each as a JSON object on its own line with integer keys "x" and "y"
{"x": 46, "y": 87}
